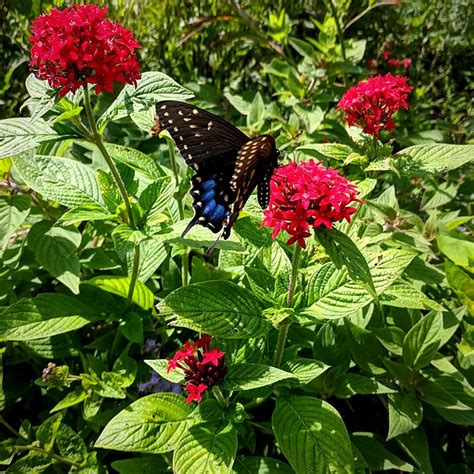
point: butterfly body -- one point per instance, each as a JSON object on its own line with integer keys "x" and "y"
{"x": 228, "y": 164}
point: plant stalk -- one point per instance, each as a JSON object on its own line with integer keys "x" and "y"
{"x": 179, "y": 200}
{"x": 283, "y": 331}
{"x": 110, "y": 163}
{"x": 340, "y": 35}
{"x": 52, "y": 455}
{"x": 134, "y": 276}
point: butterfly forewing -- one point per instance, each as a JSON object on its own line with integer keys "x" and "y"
{"x": 198, "y": 134}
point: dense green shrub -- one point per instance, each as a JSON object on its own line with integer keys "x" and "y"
{"x": 353, "y": 355}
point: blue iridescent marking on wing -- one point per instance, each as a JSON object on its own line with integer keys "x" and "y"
{"x": 206, "y": 197}
{"x": 207, "y": 185}
{"x": 209, "y": 207}
{"x": 218, "y": 213}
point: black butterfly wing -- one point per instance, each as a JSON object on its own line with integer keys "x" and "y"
{"x": 210, "y": 146}
{"x": 254, "y": 166}
{"x": 198, "y": 134}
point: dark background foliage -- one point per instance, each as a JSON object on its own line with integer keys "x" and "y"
{"x": 222, "y": 44}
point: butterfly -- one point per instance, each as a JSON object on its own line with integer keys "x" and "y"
{"x": 228, "y": 164}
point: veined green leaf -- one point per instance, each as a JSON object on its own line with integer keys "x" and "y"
{"x": 135, "y": 159}
{"x": 423, "y": 341}
{"x": 66, "y": 181}
{"x": 305, "y": 370}
{"x": 433, "y": 159}
{"x": 402, "y": 295}
{"x": 118, "y": 285}
{"x": 13, "y": 212}
{"x": 250, "y": 376}
{"x": 45, "y": 315}
{"x": 206, "y": 449}
{"x": 21, "y": 134}
{"x": 333, "y": 295}
{"x": 160, "y": 366}
{"x": 405, "y": 413}
{"x": 152, "y": 424}
{"x": 312, "y": 435}
{"x": 56, "y": 250}
{"x": 151, "y": 88}
{"x": 220, "y": 308}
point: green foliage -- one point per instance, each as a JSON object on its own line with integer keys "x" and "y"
{"x": 369, "y": 366}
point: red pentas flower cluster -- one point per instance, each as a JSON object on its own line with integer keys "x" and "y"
{"x": 78, "y": 46}
{"x": 305, "y": 196}
{"x": 203, "y": 367}
{"x": 370, "y": 104}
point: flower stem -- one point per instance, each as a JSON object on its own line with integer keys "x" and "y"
{"x": 339, "y": 34}
{"x": 219, "y": 397}
{"x": 179, "y": 200}
{"x": 295, "y": 264}
{"x": 100, "y": 145}
{"x": 283, "y": 332}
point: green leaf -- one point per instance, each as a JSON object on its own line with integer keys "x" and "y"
{"x": 219, "y": 308}
{"x": 256, "y": 113}
{"x": 84, "y": 213}
{"x": 155, "y": 198}
{"x": 376, "y": 455}
{"x": 355, "y": 384}
{"x": 48, "y": 430}
{"x": 312, "y": 435}
{"x": 70, "y": 445}
{"x": 135, "y": 159}
{"x": 206, "y": 448}
{"x": 460, "y": 251}
{"x": 462, "y": 284}
{"x": 160, "y": 366}
{"x": 141, "y": 465}
{"x": 45, "y": 315}
{"x": 260, "y": 465}
{"x": 13, "y": 212}
{"x": 56, "y": 250}
{"x": 71, "y": 399}
{"x": 118, "y": 285}
{"x": 42, "y": 96}
{"x": 152, "y": 424}
{"x": 152, "y": 255}
{"x": 66, "y": 181}
{"x": 334, "y": 296}
{"x": 344, "y": 252}
{"x": 423, "y": 341}
{"x": 402, "y": 295}
{"x": 405, "y": 413}
{"x": 433, "y": 159}
{"x": 326, "y": 151}
{"x": 250, "y": 376}
{"x": 151, "y": 88}
{"x": 21, "y": 134}
{"x": 415, "y": 444}
{"x": 305, "y": 370}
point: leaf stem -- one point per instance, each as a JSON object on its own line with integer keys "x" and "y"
{"x": 97, "y": 139}
{"x": 283, "y": 331}
{"x": 52, "y": 455}
{"x": 179, "y": 200}
{"x": 134, "y": 276}
{"x": 220, "y": 397}
{"x": 10, "y": 428}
